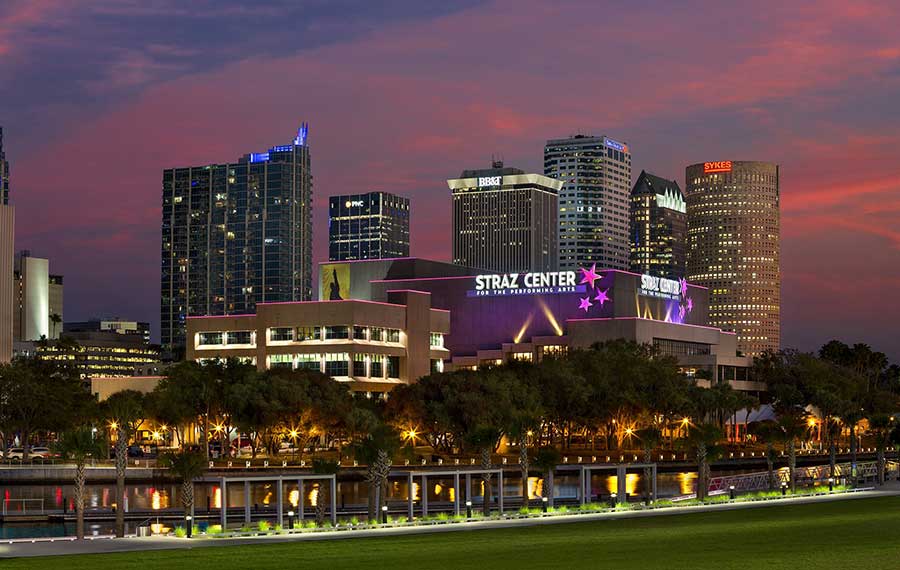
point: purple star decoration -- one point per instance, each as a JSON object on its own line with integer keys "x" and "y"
{"x": 585, "y": 304}
{"x": 690, "y": 305}
{"x": 602, "y": 297}
{"x": 589, "y": 275}
{"x": 683, "y": 283}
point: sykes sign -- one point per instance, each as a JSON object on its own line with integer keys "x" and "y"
{"x": 720, "y": 166}
{"x": 526, "y": 284}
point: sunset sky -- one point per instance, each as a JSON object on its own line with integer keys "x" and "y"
{"x": 97, "y": 97}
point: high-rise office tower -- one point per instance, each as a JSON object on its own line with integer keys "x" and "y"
{"x": 7, "y": 250}
{"x": 38, "y": 305}
{"x": 505, "y": 220}
{"x": 658, "y": 227}
{"x": 733, "y": 248}
{"x": 4, "y": 173}
{"x": 593, "y": 203}
{"x": 374, "y": 225}
{"x": 234, "y": 235}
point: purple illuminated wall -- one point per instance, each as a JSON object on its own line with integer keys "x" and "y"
{"x": 486, "y": 322}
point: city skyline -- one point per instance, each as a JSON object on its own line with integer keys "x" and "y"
{"x": 811, "y": 107}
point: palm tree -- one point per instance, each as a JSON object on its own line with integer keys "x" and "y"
{"x": 650, "y": 437}
{"x": 704, "y": 438}
{"x": 768, "y": 432}
{"x": 187, "y": 465}
{"x": 881, "y": 426}
{"x": 323, "y": 467}
{"x": 79, "y": 445}
{"x": 55, "y": 319}
{"x": 546, "y": 460}
{"x": 792, "y": 426}
{"x": 124, "y": 411}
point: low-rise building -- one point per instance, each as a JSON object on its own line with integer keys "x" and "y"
{"x": 373, "y": 345}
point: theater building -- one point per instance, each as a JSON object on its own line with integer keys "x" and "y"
{"x": 374, "y": 345}
{"x": 497, "y": 317}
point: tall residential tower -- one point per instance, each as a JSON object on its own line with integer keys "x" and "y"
{"x": 658, "y": 227}
{"x": 374, "y": 225}
{"x": 595, "y": 173}
{"x": 733, "y": 234}
{"x": 234, "y": 235}
{"x": 505, "y": 220}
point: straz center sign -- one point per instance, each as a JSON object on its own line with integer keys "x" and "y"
{"x": 660, "y": 287}
{"x": 526, "y": 284}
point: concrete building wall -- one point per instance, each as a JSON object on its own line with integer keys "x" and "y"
{"x": 415, "y": 321}
{"x": 34, "y": 274}
{"x": 7, "y": 285}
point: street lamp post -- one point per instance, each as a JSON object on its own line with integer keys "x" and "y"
{"x": 290, "y": 520}
{"x": 544, "y": 502}
{"x": 731, "y": 492}
{"x": 783, "y": 488}
{"x": 189, "y": 524}
{"x": 612, "y": 500}
{"x": 384, "y": 511}
{"x": 468, "y": 509}
{"x": 830, "y": 484}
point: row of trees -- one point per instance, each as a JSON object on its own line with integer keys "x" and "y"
{"x": 617, "y": 394}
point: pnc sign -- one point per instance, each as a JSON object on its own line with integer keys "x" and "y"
{"x": 353, "y": 203}
{"x": 720, "y": 166}
{"x": 526, "y": 284}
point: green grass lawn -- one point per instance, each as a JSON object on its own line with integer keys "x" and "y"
{"x": 863, "y": 533}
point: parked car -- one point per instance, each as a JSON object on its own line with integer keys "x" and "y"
{"x": 38, "y": 452}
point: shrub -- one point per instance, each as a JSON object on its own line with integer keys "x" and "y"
{"x": 246, "y": 528}
{"x": 263, "y": 526}
{"x": 279, "y": 528}
{"x": 442, "y": 517}
{"x": 354, "y": 521}
{"x": 401, "y": 520}
{"x": 664, "y": 503}
{"x": 309, "y": 524}
{"x": 214, "y": 529}
{"x": 195, "y": 530}
{"x": 180, "y": 532}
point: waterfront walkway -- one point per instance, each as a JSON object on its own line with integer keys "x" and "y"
{"x": 100, "y": 545}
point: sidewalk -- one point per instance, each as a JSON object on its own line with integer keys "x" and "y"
{"x": 98, "y": 545}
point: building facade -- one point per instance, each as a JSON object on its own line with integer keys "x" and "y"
{"x": 658, "y": 227}
{"x": 734, "y": 247}
{"x": 38, "y": 305}
{"x": 234, "y": 235}
{"x": 595, "y": 173}
{"x": 4, "y": 173}
{"x": 100, "y": 353}
{"x": 505, "y": 220}
{"x": 7, "y": 286}
{"x": 499, "y": 317}
{"x": 373, "y": 346}
{"x": 7, "y": 260}
{"x": 374, "y": 225}
{"x": 113, "y": 324}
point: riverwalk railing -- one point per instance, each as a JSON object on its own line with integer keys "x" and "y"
{"x": 814, "y": 474}
{"x": 23, "y": 507}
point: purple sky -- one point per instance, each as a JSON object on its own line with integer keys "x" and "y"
{"x": 96, "y": 100}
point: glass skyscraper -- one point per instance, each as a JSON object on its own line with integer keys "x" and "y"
{"x": 374, "y": 225}
{"x": 4, "y": 173}
{"x": 593, "y": 202}
{"x": 234, "y": 235}
{"x": 658, "y": 227}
